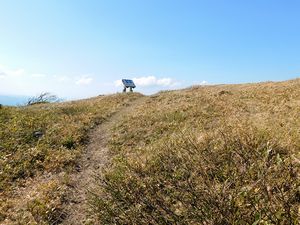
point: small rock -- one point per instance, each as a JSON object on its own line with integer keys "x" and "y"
{"x": 38, "y": 134}
{"x": 225, "y": 92}
{"x": 78, "y": 168}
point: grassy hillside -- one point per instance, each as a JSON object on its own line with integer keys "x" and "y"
{"x": 39, "y": 146}
{"x": 225, "y": 154}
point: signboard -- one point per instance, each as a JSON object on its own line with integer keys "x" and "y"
{"x": 128, "y": 83}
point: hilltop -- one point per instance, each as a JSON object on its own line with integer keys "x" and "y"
{"x": 220, "y": 154}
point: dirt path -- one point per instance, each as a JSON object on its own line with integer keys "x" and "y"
{"x": 95, "y": 157}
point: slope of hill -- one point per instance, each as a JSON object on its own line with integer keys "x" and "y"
{"x": 40, "y": 146}
{"x": 224, "y": 154}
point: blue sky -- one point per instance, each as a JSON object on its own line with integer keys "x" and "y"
{"x": 81, "y": 48}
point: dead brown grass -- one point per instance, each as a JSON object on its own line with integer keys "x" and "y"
{"x": 226, "y": 154}
{"x": 34, "y": 167}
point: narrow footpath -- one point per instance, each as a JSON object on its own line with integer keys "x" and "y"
{"x": 94, "y": 158}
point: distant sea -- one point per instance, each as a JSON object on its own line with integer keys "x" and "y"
{"x": 13, "y": 100}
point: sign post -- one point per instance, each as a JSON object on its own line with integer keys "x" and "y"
{"x": 128, "y": 84}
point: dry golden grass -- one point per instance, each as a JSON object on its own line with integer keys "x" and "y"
{"x": 225, "y": 154}
{"x": 34, "y": 170}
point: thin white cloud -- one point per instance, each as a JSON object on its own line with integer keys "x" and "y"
{"x": 38, "y": 75}
{"x": 145, "y": 81}
{"x": 20, "y": 82}
{"x": 149, "y": 81}
{"x": 84, "y": 80}
{"x": 18, "y": 72}
{"x": 118, "y": 83}
{"x": 62, "y": 78}
{"x": 204, "y": 82}
{"x": 4, "y": 72}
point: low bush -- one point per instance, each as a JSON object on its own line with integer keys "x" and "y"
{"x": 42, "y": 98}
